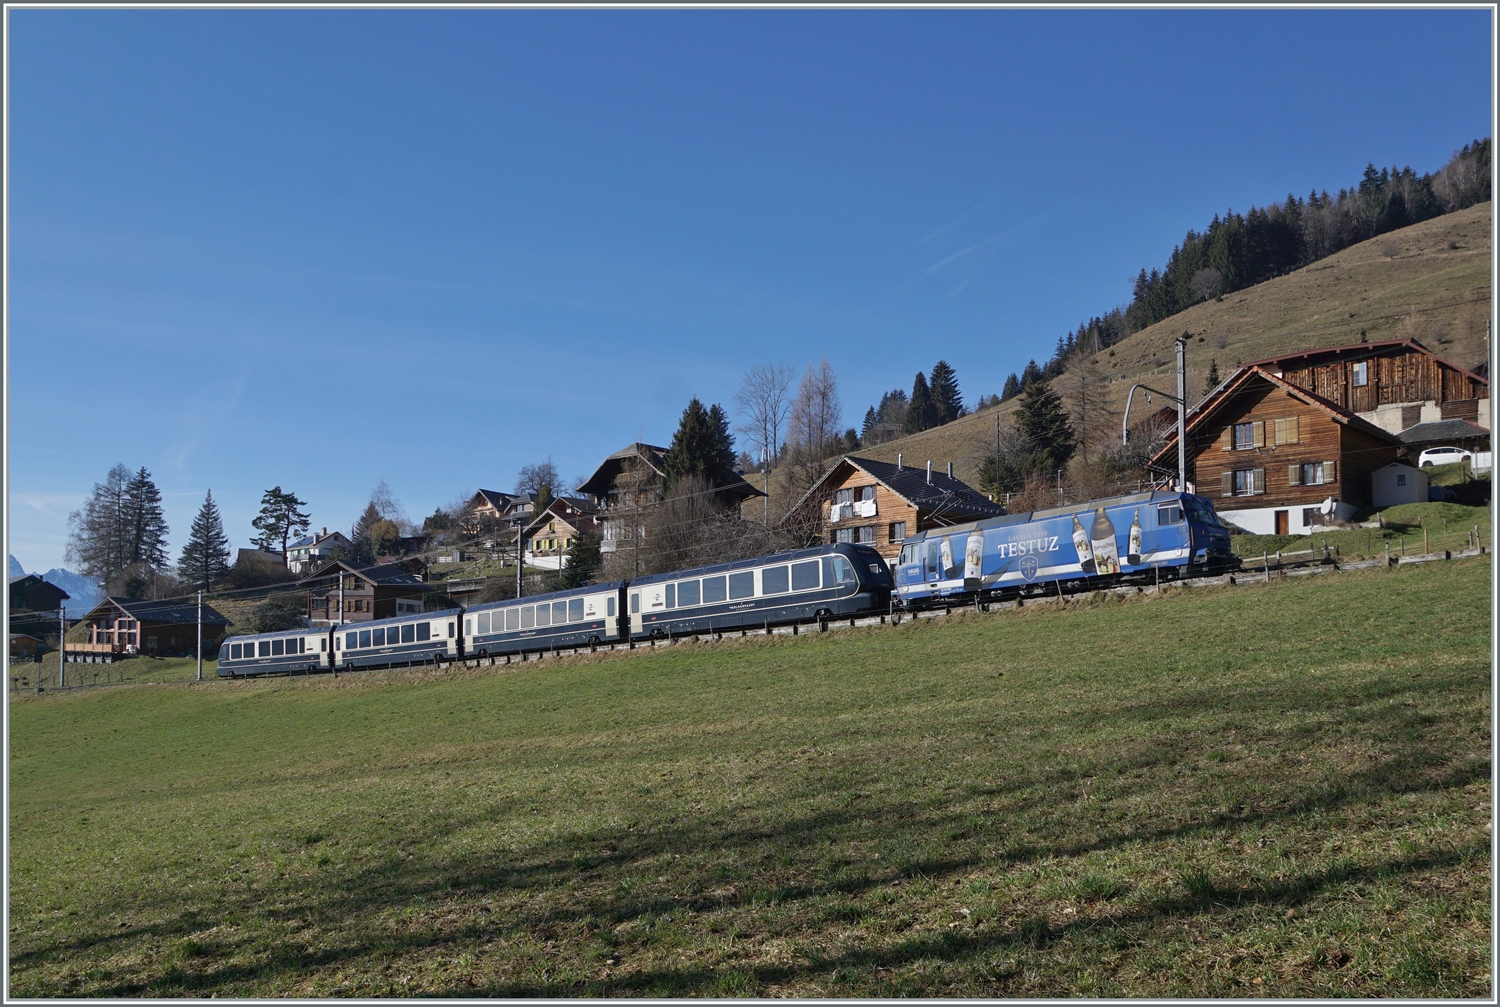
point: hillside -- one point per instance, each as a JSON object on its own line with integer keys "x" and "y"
{"x": 1430, "y": 281}
{"x": 1279, "y": 789}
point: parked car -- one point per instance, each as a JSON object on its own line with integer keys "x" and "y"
{"x": 1442, "y": 456}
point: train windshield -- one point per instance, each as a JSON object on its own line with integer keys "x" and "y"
{"x": 1199, "y": 510}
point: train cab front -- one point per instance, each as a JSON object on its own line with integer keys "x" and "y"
{"x": 875, "y": 582}
{"x": 1209, "y": 539}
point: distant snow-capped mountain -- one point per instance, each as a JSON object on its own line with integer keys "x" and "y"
{"x": 15, "y": 568}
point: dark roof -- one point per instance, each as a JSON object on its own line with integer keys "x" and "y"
{"x": 14, "y": 581}
{"x": 319, "y": 537}
{"x": 942, "y": 497}
{"x": 1359, "y": 351}
{"x": 385, "y": 574}
{"x": 177, "y": 613}
{"x": 496, "y": 499}
{"x": 603, "y": 479}
{"x": 565, "y": 508}
{"x": 1442, "y": 430}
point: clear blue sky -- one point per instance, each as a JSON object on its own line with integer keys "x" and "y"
{"x": 318, "y": 249}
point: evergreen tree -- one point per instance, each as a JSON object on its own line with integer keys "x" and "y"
{"x": 948, "y": 404}
{"x": 205, "y": 558}
{"x": 921, "y": 411}
{"x": 97, "y": 531}
{"x": 584, "y": 562}
{"x": 1212, "y": 380}
{"x": 702, "y": 446}
{"x": 280, "y": 518}
{"x": 1012, "y": 387}
{"x": 146, "y": 526}
{"x": 871, "y": 418}
{"x": 1043, "y": 424}
{"x": 361, "y": 536}
{"x": 1030, "y": 375}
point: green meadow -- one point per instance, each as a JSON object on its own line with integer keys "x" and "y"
{"x": 1276, "y": 790}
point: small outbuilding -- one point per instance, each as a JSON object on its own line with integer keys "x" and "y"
{"x": 1397, "y": 483}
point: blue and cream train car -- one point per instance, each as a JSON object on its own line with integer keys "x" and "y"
{"x": 830, "y": 581}
{"x": 403, "y": 640}
{"x": 573, "y": 618}
{"x": 1099, "y": 542}
{"x": 284, "y": 653}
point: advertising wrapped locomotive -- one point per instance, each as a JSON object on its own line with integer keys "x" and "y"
{"x": 1118, "y": 539}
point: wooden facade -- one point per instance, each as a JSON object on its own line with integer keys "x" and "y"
{"x": 125, "y": 626}
{"x": 371, "y": 592}
{"x": 556, "y": 530}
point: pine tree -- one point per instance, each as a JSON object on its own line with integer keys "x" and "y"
{"x": 146, "y": 526}
{"x": 871, "y": 418}
{"x": 1012, "y": 387}
{"x": 583, "y": 563}
{"x": 98, "y": 533}
{"x": 361, "y": 536}
{"x": 702, "y": 446}
{"x": 1043, "y": 423}
{"x": 1212, "y": 380}
{"x": 205, "y": 558}
{"x": 1030, "y": 375}
{"x": 280, "y": 518}
{"x": 943, "y": 386}
{"x": 921, "y": 411}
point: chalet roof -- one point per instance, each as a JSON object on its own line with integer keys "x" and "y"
{"x": 1220, "y": 397}
{"x": 568, "y": 509}
{"x": 1443, "y": 430}
{"x": 172, "y": 613}
{"x": 382, "y": 575}
{"x": 1358, "y": 351}
{"x": 603, "y": 480}
{"x": 496, "y": 499}
{"x": 318, "y": 537}
{"x": 39, "y": 579}
{"x": 950, "y": 498}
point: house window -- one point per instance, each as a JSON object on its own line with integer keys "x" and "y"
{"x": 843, "y": 497}
{"x": 1249, "y": 482}
{"x": 1249, "y": 435}
{"x": 867, "y": 493}
{"x": 898, "y": 531}
{"x": 1400, "y": 478}
{"x": 1361, "y": 374}
{"x": 1310, "y": 473}
{"x": 1310, "y": 516}
{"x": 867, "y": 534}
{"x": 844, "y": 535}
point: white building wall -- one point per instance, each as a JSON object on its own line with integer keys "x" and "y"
{"x": 1397, "y": 484}
{"x": 1262, "y": 520}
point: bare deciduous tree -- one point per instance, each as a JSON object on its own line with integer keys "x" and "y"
{"x": 814, "y": 425}
{"x": 764, "y": 400}
{"x": 533, "y": 477}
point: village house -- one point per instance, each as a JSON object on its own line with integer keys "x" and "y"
{"x": 30, "y": 593}
{"x": 879, "y": 504}
{"x": 366, "y": 592}
{"x": 553, "y": 533}
{"x": 126, "y": 626}
{"x": 311, "y": 550}
{"x": 24, "y": 647}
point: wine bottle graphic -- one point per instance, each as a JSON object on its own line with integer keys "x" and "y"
{"x": 950, "y": 568}
{"x": 1133, "y": 554}
{"x": 1081, "y": 543}
{"x": 1102, "y": 538}
{"x": 973, "y": 560}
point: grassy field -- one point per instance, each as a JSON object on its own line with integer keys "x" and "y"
{"x": 1407, "y": 529}
{"x": 1276, "y": 790}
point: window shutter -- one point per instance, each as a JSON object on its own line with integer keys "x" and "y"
{"x": 1226, "y": 439}
{"x": 1330, "y": 472}
{"x": 1259, "y": 476}
{"x": 1294, "y": 475}
{"x": 1293, "y": 431}
{"x": 1226, "y": 484}
{"x": 1260, "y": 434}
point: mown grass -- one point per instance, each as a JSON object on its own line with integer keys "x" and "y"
{"x": 1278, "y": 789}
{"x": 1409, "y": 529}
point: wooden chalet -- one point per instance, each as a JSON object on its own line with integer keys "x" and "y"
{"x": 554, "y": 532}
{"x": 879, "y": 504}
{"x": 30, "y": 593}
{"x": 491, "y": 507}
{"x": 125, "y": 626}
{"x": 1394, "y": 384}
{"x": 312, "y": 550}
{"x": 24, "y": 647}
{"x": 1276, "y": 458}
{"x": 367, "y": 592}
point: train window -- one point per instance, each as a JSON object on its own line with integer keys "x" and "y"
{"x": 671, "y": 590}
{"x": 609, "y": 607}
{"x": 687, "y": 593}
{"x": 635, "y": 602}
{"x": 302, "y": 645}
{"x": 544, "y": 615}
{"x": 263, "y": 648}
{"x": 773, "y": 580}
{"x": 713, "y": 590}
{"x": 934, "y": 557}
{"x": 528, "y": 617}
{"x": 837, "y": 570}
{"x": 512, "y": 619}
{"x": 482, "y": 622}
{"x": 424, "y": 631}
{"x": 322, "y": 644}
{"x": 559, "y": 613}
{"x": 364, "y": 638}
{"x": 742, "y": 585}
{"x": 408, "y": 633}
{"x": 278, "y": 648}
{"x": 575, "y": 609}
{"x": 468, "y": 627}
{"x": 450, "y": 629}
{"x": 351, "y": 641}
{"x": 1169, "y": 514}
{"x": 377, "y": 637}
{"x": 234, "y": 652}
{"x": 805, "y": 576}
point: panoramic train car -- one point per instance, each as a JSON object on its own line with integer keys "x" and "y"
{"x": 835, "y": 580}
{"x": 281, "y": 653}
{"x": 572, "y": 618}
{"x": 1117, "y": 539}
{"x": 405, "y": 639}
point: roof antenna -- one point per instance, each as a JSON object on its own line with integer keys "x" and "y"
{"x": 929, "y": 472}
{"x": 898, "y": 461}
{"x": 950, "y": 470}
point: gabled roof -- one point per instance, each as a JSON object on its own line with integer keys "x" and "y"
{"x": 1443, "y": 430}
{"x": 1357, "y": 351}
{"x": 176, "y": 613}
{"x": 318, "y": 538}
{"x": 383, "y": 575}
{"x": 1221, "y": 395}
{"x": 496, "y": 499}
{"x": 39, "y": 579}
{"x": 603, "y": 479}
{"x": 570, "y": 509}
{"x": 942, "y": 497}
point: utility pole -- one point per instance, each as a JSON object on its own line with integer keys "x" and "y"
{"x": 200, "y": 636}
{"x": 62, "y": 647}
{"x": 520, "y": 581}
{"x": 1181, "y": 414}
{"x": 997, "y": 454}
{"x": 341, "y": 598}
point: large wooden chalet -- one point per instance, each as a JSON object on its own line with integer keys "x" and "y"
{"x": 367, "y": 593}
{"x": 554, "y": 533}
{"x": 879, "y": 504}
{"x": 125, "y": 626}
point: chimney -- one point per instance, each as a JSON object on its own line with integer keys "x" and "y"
{"x": 950, "y": 470}
{"x": 929, "y": 472}
{"x": 898, "y": 461}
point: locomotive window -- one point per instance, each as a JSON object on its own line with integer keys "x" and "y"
{"x": 528, "y": 617}
{"x": 559, "y": 613}
{"x": 263, "y": 648}
{"x": 424, "y": 631}
{"x": 351, "y": 641}
{"x": 742, "y": 585}
{"x": 364, "y": 638}
{"x": 713, "y": 589}
{"x": 512, "y": 619}
{"x": 773, "y": 580}
{"x": 575, "y": 609}
{"x": 544, "y": 615}
{"x": 843, "y": 570}
{"x": 408, "y": 633}
{"x": 1168, "y": 514}
{"x": 687, "y": 592}
{"x": 609, "y": 607}
{"x": 805, "y": 576}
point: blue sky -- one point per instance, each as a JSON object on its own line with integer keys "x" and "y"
{"x": 318, "y": 249}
